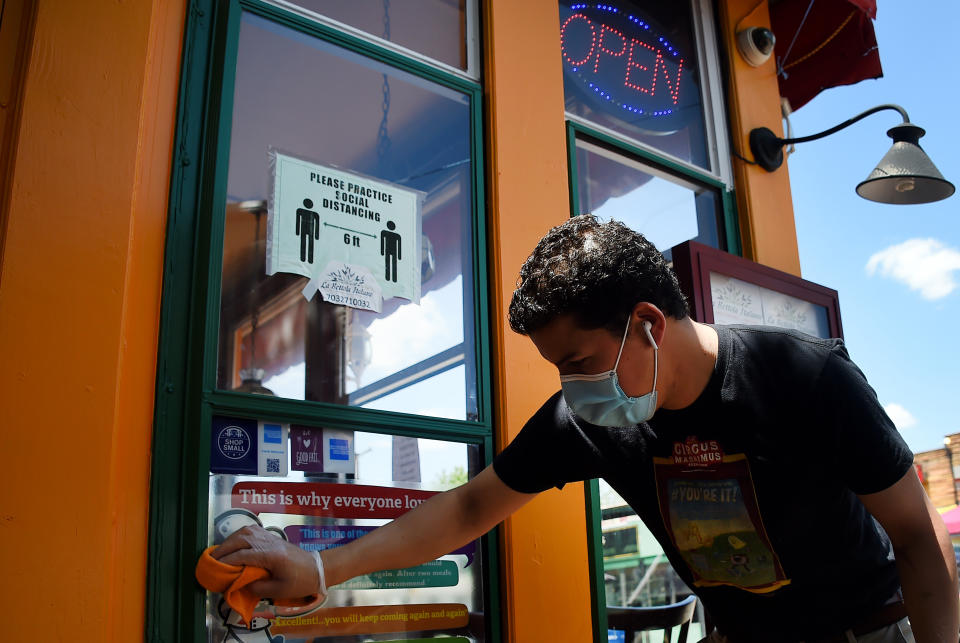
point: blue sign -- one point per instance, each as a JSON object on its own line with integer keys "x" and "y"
{"x": 339, "y": 449}
{"x": 233, "y": 446}
{"x": 272, "y": 433}
{"x": 627, "y": 65}
{"x": 616, "y": 636}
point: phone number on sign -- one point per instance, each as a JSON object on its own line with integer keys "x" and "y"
{"x": 359, "y": 302}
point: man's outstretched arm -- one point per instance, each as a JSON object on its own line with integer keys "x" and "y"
{"x": 925, "y": 560}
{"x": 440, "y": 525}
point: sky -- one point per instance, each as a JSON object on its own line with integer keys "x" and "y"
{"x": 896, "y": 268}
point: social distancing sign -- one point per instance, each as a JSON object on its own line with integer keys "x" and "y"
{"x": 356, "y": 238}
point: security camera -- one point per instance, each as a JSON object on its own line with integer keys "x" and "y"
{"x": 755, "y": 44}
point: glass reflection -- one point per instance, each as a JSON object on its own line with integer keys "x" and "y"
{"x": 665, "y": 209}
{"x": 435, "y": 28}
{"x": 383, "y": 467}
{"x": 317, "y": 102}
{"x": 636, "y": 571}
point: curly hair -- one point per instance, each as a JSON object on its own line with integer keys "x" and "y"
{"x": 595, "y": 271}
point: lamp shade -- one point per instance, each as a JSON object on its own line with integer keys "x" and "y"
{"x": 252, "y": 382}
{"x": 905, "y": 175}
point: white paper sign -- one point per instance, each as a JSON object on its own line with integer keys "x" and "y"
{"x": 739, "y": 302}
{"x": 356, "y": 238}
{"x": 338, "y": 452}
{"x": 785, "y": 311}
{"x": 346, "y": 285}
{"x": 735, "y": 301}
{"x": 272, "y": 449}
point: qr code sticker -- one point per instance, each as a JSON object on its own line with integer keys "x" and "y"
{"x": 273, "y": 465}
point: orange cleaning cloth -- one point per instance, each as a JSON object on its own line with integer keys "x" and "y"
{"x": 233, "y": 582}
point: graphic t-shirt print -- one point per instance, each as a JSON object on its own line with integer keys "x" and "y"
{"x": 709, "y": 508}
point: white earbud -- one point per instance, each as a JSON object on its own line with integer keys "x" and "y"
{"x": 646, "y": 328}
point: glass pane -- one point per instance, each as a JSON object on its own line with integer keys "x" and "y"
{"x": 632, "y": 67}
{"x": 323, "y": 105}
{"x": 332, "y": 487}
{"x": 636, "y": 572}
{"x": 663, "y": 208}
{"x": 740, "y": 302}
{"x": 436, "y": 396}
{"x": 435, "y": 28}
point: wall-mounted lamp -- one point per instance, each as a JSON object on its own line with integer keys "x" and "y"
{"x": 905, "y": 175}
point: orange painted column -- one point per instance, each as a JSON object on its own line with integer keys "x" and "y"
{"x": 79, "y": 314}
{"x": 545, "y": 575}
{"x": 767, "y": 227}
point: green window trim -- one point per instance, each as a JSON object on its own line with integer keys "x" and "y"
{"x": 598, "y": 589}
{"x": 186, "y": 395}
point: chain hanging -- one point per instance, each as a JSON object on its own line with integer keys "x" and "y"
{"x": 383, "y": 135}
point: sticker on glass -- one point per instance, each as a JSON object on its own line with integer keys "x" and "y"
{"x": 233, "y": 446}
{"x": 272, "y": 456}
{"x": 355, "y": 237}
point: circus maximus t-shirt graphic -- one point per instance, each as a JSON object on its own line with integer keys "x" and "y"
{"x": 710, "y": 511}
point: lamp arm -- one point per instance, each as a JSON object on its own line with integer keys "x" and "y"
{"x": 847, "y": 123}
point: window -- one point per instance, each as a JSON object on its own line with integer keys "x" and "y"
{"x": 668, "y": 209}
{"x": 324, "y": 357}
{"x": 647, "y": 146}
{"x": 636, "y": 572}
{"x": 326, "y": 508}
{"x": 646, "y": 133}
{"x": 398, "y": 131}
{"x": 645, "y": 72}
{"x": 442, "y": 30}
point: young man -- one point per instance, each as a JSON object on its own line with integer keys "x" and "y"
{"x": 759, "y": 458}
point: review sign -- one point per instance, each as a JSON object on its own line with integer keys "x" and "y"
{"x": 326, "y": 499}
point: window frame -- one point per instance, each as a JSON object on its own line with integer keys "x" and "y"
{"x": 719, "y": 178}
{"x": 714, "y": 106}
{"x": 186, "y": 389}
{"x": 576, "y": 130}
{"x": 472, "y": 72}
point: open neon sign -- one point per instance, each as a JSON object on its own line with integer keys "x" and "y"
{"x": 622, "y": 60}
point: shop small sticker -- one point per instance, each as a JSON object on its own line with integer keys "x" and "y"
{"x": 233, "y": 447}
{"x": 234, "y": 442}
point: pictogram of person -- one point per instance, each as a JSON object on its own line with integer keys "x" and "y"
{"x": 308, "y": 228}
{"x": 390, "y": 245}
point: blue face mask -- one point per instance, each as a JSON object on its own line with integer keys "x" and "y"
{"x": 598, "y": 398}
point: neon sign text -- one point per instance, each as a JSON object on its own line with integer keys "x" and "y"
{"x": 621, "y": 59}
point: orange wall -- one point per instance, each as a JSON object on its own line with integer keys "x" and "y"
{"x": 546, "y": 580}
{"x": 16, "y": 29}
{"x": 79, "y": 309}
{"x": 767, "y": 227}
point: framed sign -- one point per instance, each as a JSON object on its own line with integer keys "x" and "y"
{"x": 726, "y": 289}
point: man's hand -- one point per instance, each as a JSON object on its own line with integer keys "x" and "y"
{"x": 293, "y": 572}
{"x": 443, "y": 523}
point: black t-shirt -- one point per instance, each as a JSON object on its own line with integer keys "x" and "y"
{"x": 751, "y": 490}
